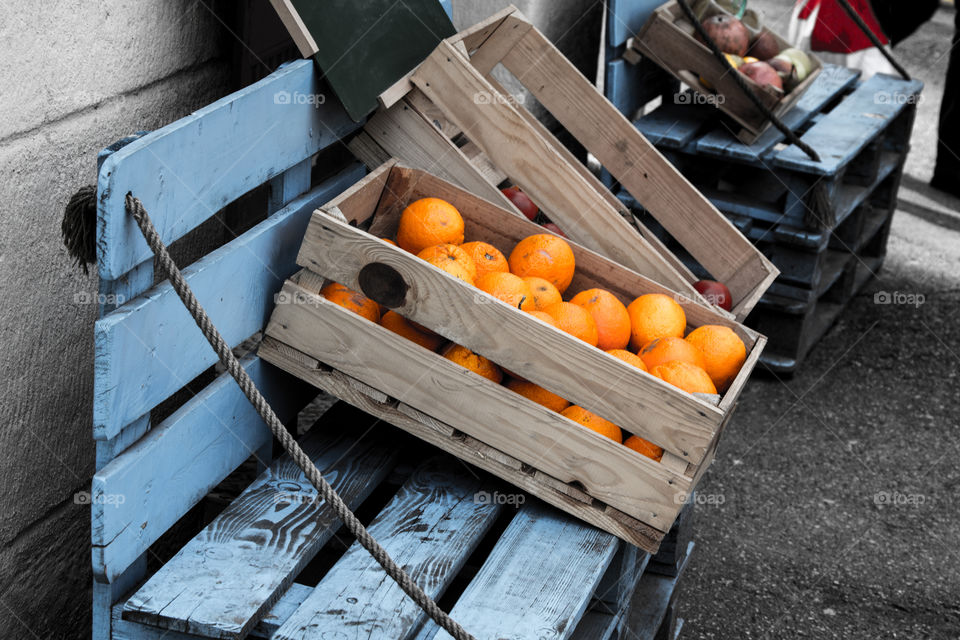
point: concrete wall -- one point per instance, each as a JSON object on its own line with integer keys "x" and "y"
{"x": 75, "y": 76}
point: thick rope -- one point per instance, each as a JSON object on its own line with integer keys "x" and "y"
{"x": 290, "y": 445}
{"x": 742, "y": 83}
{"x": 867, "y": 31}
{"x": 79, "y": 226}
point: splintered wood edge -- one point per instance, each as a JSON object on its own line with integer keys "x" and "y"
{"x": 564, "y": 496}
{"x": 294, "y": 24}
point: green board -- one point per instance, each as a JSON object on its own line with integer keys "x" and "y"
{"x": 365, "y": 46}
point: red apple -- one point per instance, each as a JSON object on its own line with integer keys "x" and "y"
{"x": 554, "y": 228}
{"x": 715, "y": 293}
{"x": 728, "y": 33}
{"x": 762, "y": 73}
{"x": 521, "y": 201}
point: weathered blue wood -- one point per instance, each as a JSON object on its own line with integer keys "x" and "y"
{"x": 225, "y": 579}
{"x": 151, "y": 347}
{"x": 142, "y": 493}
{"x": 538, "y": 579}
{"x": 187, "y": 171}
{"x": 277, "y": 615}
{"x": 288, "y": 185}
{"x": 625, "y": 17}
{"x": 430, "y": 528}
{"x": 674, "y": 125}
{"x": 629, "y": 87}
{"x": 105, "y": 594}
{"x": 832, "y": 81}
{"x": 851, "y": 125}
{"x": 651, "y": 599}
{"x": 107, "y": 450}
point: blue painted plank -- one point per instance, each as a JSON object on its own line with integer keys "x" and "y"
{"x": 851, "y": 125}
{"x": 625, "y": 17}
{"x": 151, "y": 347}
{"x": 224, "y": 580}
{"x": 288, "y": 185}
{"x": 538, "y": 579}
{"x": 138, "y": 496}
{"x": 105, "y": 594}
{"x": 674, "y": 125}
{"x": 190, "y": 169}
{"x": 832, "y": 81}
{"x": 651, "y": 599}
{"x": 430, "y": 527}
{"x": 630, "y": 87}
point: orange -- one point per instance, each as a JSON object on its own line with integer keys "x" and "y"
{"x": 686, "y": 376}
{"x": 644, "y": 447}
{"x": 440, "y": 254}
{"x": 545, "y": 256}
{"x": 544, "y": 293}
{"x": 538, "y": 394}
{"x": 594, "y": 422}
{"x": 389, "y": 241}
{"x": 628, "y": 357}
{"x": 653, "y": 316}
{"x": 403, "y": 327}
{"x": 427, "y": 222}
{"x": 509, "y": 288}
{"x": 670, "y": 348}
{"x": 723, "y": 351}
{"x": 575, "y": 320}
{"x": 476, "y": 363}
{"x": 546, "y": 317}
{"x": 352, "y": 300}
{"x": 486, "y": 257}
{"x": 611, "y": 317}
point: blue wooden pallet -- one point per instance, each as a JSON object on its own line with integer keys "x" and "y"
{"x": 240, "y": 575}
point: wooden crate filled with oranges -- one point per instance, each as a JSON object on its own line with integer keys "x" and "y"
{"x": 583, "y": 382}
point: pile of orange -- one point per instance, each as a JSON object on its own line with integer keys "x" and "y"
{"x": 649, "y": 333}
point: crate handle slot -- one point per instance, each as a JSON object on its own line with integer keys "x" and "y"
{"x": 383, "y": 284}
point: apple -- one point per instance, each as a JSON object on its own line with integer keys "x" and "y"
{"x": 728, "y": 32}
{"x": 554, "y": 228}
{"x": 521, "y": 201}
{"x": 764, "y": 46}
{"x": 715, "y": 293}
{"x": 762, "y": 73}
{"x": 783, "y": 66}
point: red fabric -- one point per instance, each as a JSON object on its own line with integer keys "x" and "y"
{"x": 836, "y": 32}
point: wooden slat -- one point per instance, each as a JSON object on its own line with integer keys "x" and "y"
{"x": 673, "y": 126}
{"x": 225, "y": 579}
{"x": 151, "y": 346}
{"x": 723, "y": 143}
{"x": 491, "y": 52}
{"x": 430, "y": 527}
{"x": 538, "y": 579}
{"x": 683, "y": 211}
{"x": 851, "y": 125}
{"x": 189, "y": 170}
{"x": 610, "y": 472}
{"x": 534, "y": 164}
{"x": 170, "y": 469}
{"x": 405, "y": 134}
{"x": 651, "y": 599}
{"x": 626, "y": 17}
{"x": 442, "y": 435}
{"x": 367, "y": 150}
{"x": 295, "y": 26}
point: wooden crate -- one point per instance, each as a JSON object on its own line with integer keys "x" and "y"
{"x": 573, "y": 468}
{"x": 451, "y": 118}
{"x": 667, "y": 39}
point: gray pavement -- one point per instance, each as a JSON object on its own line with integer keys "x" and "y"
{"x": 839, "y": 514}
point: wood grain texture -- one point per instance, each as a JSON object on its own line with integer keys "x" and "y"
{"x": 533, "y": 163}
{"x": 651, "y": 599}
{"x": 151, "y": 347}
{"x": 430, "y": 528}
{"x": 612, "y": 473}
{"x": 171, "y": 468}
{"x": 551, "y": 490}
{"x": 189, "y": 170}
{"x": 538, "y": 579}
{"x": 225, "y": 579}
{"x": 686, "y": 214}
